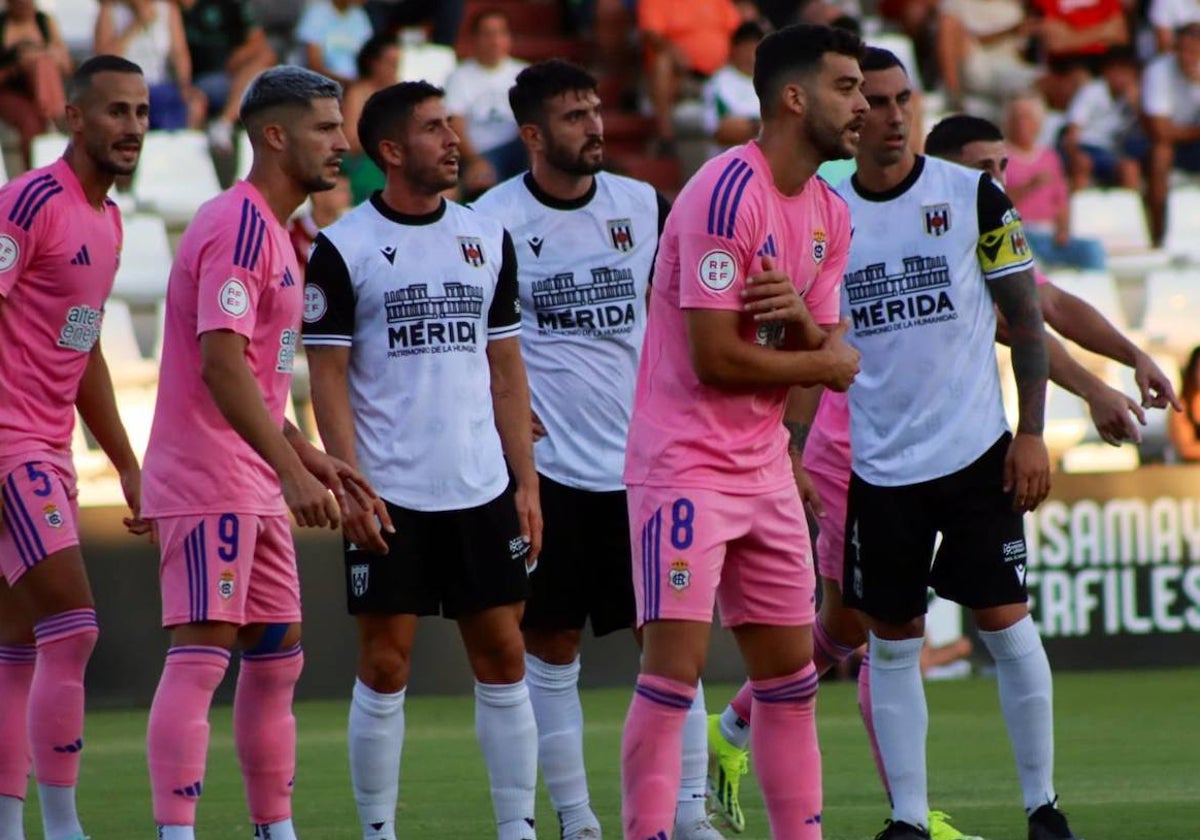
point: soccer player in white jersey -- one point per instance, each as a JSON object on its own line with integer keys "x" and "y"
{"x": 585, "y": 242}
{"x": 412, "y": 320}
{"x": 938, "y": 248}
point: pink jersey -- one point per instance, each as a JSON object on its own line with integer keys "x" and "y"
{"x": 728, "y": 217}
{"x": 235, "y": 270}
{"x": 58, "y": 259}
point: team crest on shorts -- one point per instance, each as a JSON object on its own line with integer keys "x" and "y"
{"x": 52, "y": 515}
{"x": 360, "y": 576}
{"x": 937, "y": 219}
{"x": 226, "y": 585}
{"x": 679, "y": 577}
{"x": 819, "y": 246}
{"x": 620, "y": 231}
{"x": 472, "y": 250}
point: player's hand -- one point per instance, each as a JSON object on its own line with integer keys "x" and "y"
{"x": 808, "y": 490}
{"x": 309, "y": 500}
{"x": 529, "y": 514}
{"x": 131, "y": 488}
{"x": 539, "y": 429}
{"x": 1027, "y": 471}
{"x": 1113, "y": 414}
{"x": 770, "y": 295}
{"x": 362, "y": 524}
{"x": 841, "y": 357}
{"x": 1157, "y": 389}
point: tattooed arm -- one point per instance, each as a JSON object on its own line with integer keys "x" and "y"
{"x": 1016, "y": 296}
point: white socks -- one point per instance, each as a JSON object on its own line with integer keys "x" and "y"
{"x": 694, "y": 782}
{"x": 60, "y": 820}
{"x": 901, "y": 722}
{"x": 376, "y": 740}
{"x": 176, "y": 832}
{"x": 282, "y": 830}
{"x": 12, "y": 818}
{"x": 1027, "y": 699}
{"x": 507, "y": 733}
{"x": 733, "y": 729}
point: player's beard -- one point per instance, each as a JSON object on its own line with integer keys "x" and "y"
{"x": 429, "y": 180}
{"x": 102, "y": 153}
{"x": 574, "y": 163}
{"x": 828, "y": 139}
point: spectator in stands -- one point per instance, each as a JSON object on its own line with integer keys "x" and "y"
{"x": 1171, "y": 112}
{"x": 1103, "y": 140}
{"x": 918, "y": 20}
{"x": 1167, "y": 16}
{"x": 33, "y": 64}
{"x": 228, "y": 49}
{"x": 1037, "y": 186}
{"x": 682, "y": 37}
{"x": 980, "y": 45}
{"x": 150, "y": 34}
{"x": 1184, "y": 426}
{"x": 731, "y": 112}
{"x": 1075, "y": 35}
{"x": 444, "y": 16}
{"x": 378, "y": 67}
{"x": 332, "y": 32}
{"x": 477, "y": 101}
{"x": 323, "y": 209}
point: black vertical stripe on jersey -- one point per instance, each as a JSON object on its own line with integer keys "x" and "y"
{"x": 991, "y": 205}
{"x": 328, "y": 272}
{"x": 505, "y": 311}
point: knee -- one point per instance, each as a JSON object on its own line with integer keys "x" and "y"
{"x": 899, "y": 631}
{"x": 500, "y": 659}
{"x": 384, "y": 666}
{"x": 553, "y": 647}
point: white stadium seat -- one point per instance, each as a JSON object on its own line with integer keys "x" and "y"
{"x": 126, "y": 365}
{"x": 1173, "y": 309}
{"x": 1099, "y": 289}
{"x": 175, "y": 175}
{"x": 1117, "y": 218}
{"x": 48, "y": 148}
{"x": 145, "y": 261}
{"x": 1183, "y": 223}
{"x": 76, "y": 21}
{"x": 245, "y": 154}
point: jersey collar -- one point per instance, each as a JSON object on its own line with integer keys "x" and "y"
{"x": 896, "y": 191}
{"x": 559, "y": 203}
{"x": 396, "y": 216}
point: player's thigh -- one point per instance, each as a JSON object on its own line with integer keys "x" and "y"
{"x": 772, "y": 650}
{"x": 16, "y": 625}
{"x": 558, "y": 585}
{"x": 273, "y": 588}
{"x": 832, "y": 489}
{"x": 205, "y": 566}
{"x": 981, "y": 561}
{"x": 675, "y": 649}
{"x": 403, "y": 581}
{"x": 482, "y": 557}
{"x": 890, "y": 534}
{"x": 385, "y": 649}
{"x": 492, "y": 639}
{"x": 769, "y": 578}
{"x": 846, "y": 624}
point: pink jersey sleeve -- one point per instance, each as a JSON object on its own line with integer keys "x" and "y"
{"x": 717, "y": 238}
{"x": 824, "y": 299}
{"x": 25, "y": 221}
{"x": 229, "y": 275}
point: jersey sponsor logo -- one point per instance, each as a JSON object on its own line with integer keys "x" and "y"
{"x": 535, "y": 245}
{"x": 770, "y": 335}
{"x": 286, "y": 358}
{"x": 82, "y": 329}
{"x": 315, "y": 303}
{"x": 420, "y": 323}
{"x": 472, "y": 250}
{"x": 620, "y": 231}
{"x": 820, "y": 245}
{"x": 883, "y": 303}
{"x": 601, "y": 305}
{"x": 10, "y": 252}
{"x": 233, "y": 298}
{"x": 937, "y": 219}
{"x": 389, "y": 254}
{"x": 360, "y": 579}
{"x": 718, "y": 270}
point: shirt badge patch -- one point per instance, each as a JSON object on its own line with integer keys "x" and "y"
{"x": 937, "y": 219}
{"x": 717, "y": 270}
{"x": 621, "y": 233}
{"x": 472, "y": 250}
{"x": 820, "y": 245}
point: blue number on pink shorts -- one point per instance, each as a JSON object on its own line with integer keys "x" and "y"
{"x": 37, "y": 475}
{"x": 683, "y": 514}
{"x": 227, "y": 530}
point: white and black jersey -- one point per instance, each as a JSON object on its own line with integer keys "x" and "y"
{"x": 417, "y": 299}
{"x": 585, "y": 268}
{"x": 927, "y": 400}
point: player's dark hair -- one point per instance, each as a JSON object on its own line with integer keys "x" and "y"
{"x": 387, "y": 111}
{"x": 483, "y": 14}
{"x": 285, "y": 86}
{"x": 81, "y": 80}
{"x": 952, "y": 134}
{"x": 540, "y": 82}
{"x": 876, "y": 59}
{"x": 750, "y": 31}
{"x": 370, "y": 52}
{"x": 1120, "y": 56}
{"x": 795, "y": 51}
{"x": 848, "y": 22}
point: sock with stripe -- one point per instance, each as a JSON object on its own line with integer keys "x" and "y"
{"x": 177, "y": 735}
{"x": 17, "y": 664}
{"x": 264, "y": 732}
{"x": 901, "y": 723}
{"x": 507, "y": 733}
{"x": 693, "y": 783}
{"x": 278, "y": 830}
{"x": 376, "y": 736}
{"x": 786, "y": 757}
{"x": 735, "y": 720}
{"x": 864, "y": 711}
{"x": 651, "y": 756}
{"x": 64, "y": 646}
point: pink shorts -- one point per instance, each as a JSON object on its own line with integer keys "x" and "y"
{"x": 232, "y": 567}
{"x": 833, "y": 489}
{"x": 749, "y": 554}
{"x": 41, "y": 516}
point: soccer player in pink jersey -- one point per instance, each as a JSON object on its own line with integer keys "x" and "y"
{"x": 60, "y": 242}
{"x": 223, "y": 467}
{"x": 744, "y": 307}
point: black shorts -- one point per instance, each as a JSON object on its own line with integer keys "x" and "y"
{"x": 891, "y": 532}
{"x": 586, "y": 567}
{"x": 453, "y": 562}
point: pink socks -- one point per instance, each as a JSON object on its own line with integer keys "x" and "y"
{"x": 64, "y": 645}
{"x": 265, "y": 731}
{"x": 16, "y": 677}
{"x": 651, "y": 756}
{"x": 786, "y": 757}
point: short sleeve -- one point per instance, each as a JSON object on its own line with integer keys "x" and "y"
{"x": 504, "y": 315}
{"x": 715, "y": 231}
{"x": 329, "y": 299}
{"x": 1079, "y": 111}
{"x": 1156, "y": 88}
{"x": 23, "y": 227}
{"x": 825, "y": 300}
{"x": 229, "y": 275}
{"x": 310, "y": 29}
{"x": 1002, "y": 248}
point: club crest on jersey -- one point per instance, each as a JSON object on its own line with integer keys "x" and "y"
{"x": 360, "y": 575}
{"x": 937, "y": 219}
{"x": 679, "y": 576}
{"x": 620, "y": 231}
{"x": 9, "y": 252}
{"x": 472, "y": 250}
{"x": 819, "y": 246}
{"x": 52, "y": 515}
{"x": 225, "y": 585}
{"x": 1019, "y": 244}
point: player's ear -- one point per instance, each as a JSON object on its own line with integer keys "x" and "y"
{"x": 793, "y": 98}
{"x": 531, "y": 136}
{"x": 391, "y": 152}
{"x": 74, "y": 117}
{"x": 274, "y": 136}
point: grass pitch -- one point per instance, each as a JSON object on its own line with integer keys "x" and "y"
{"x": 1128, "y": 766}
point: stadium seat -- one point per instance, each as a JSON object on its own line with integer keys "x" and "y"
{"x": 1099, "y": 289}
{"x": 1100, "y": 457}
{"x": 1183, "y": 223}
{"x": 145, "y": 261}
{"x": 48, "y": 148}
{"x": 126, "y": 365}
{"x": 89, "y": 461}
{"x": 900, "y": 46}
{"x": 77, "y": 22}
{"x": 432, "y": 62}
{"x": 1173, "y": 309}
{"x": 1117, "y": 218}
{"x": 245, "y": 155}
{"x": 175, "y": 175}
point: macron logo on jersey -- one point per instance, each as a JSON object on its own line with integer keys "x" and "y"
{"x": 535, "y": 245}
{"x": 81, "y": 257}
{"x": 389, "y": 254}
{"x": 727, "y": 198}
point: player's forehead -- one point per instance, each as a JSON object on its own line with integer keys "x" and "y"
{"x": 886, "y": 84}
{"x": 431, "y": 109}
{"x": 983, "y": 154}
{"x": 572, "y": 100}
{"x": 325, "y": 109}
{"x": 111, "y": 86}
{"x": 838, "y": 69}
